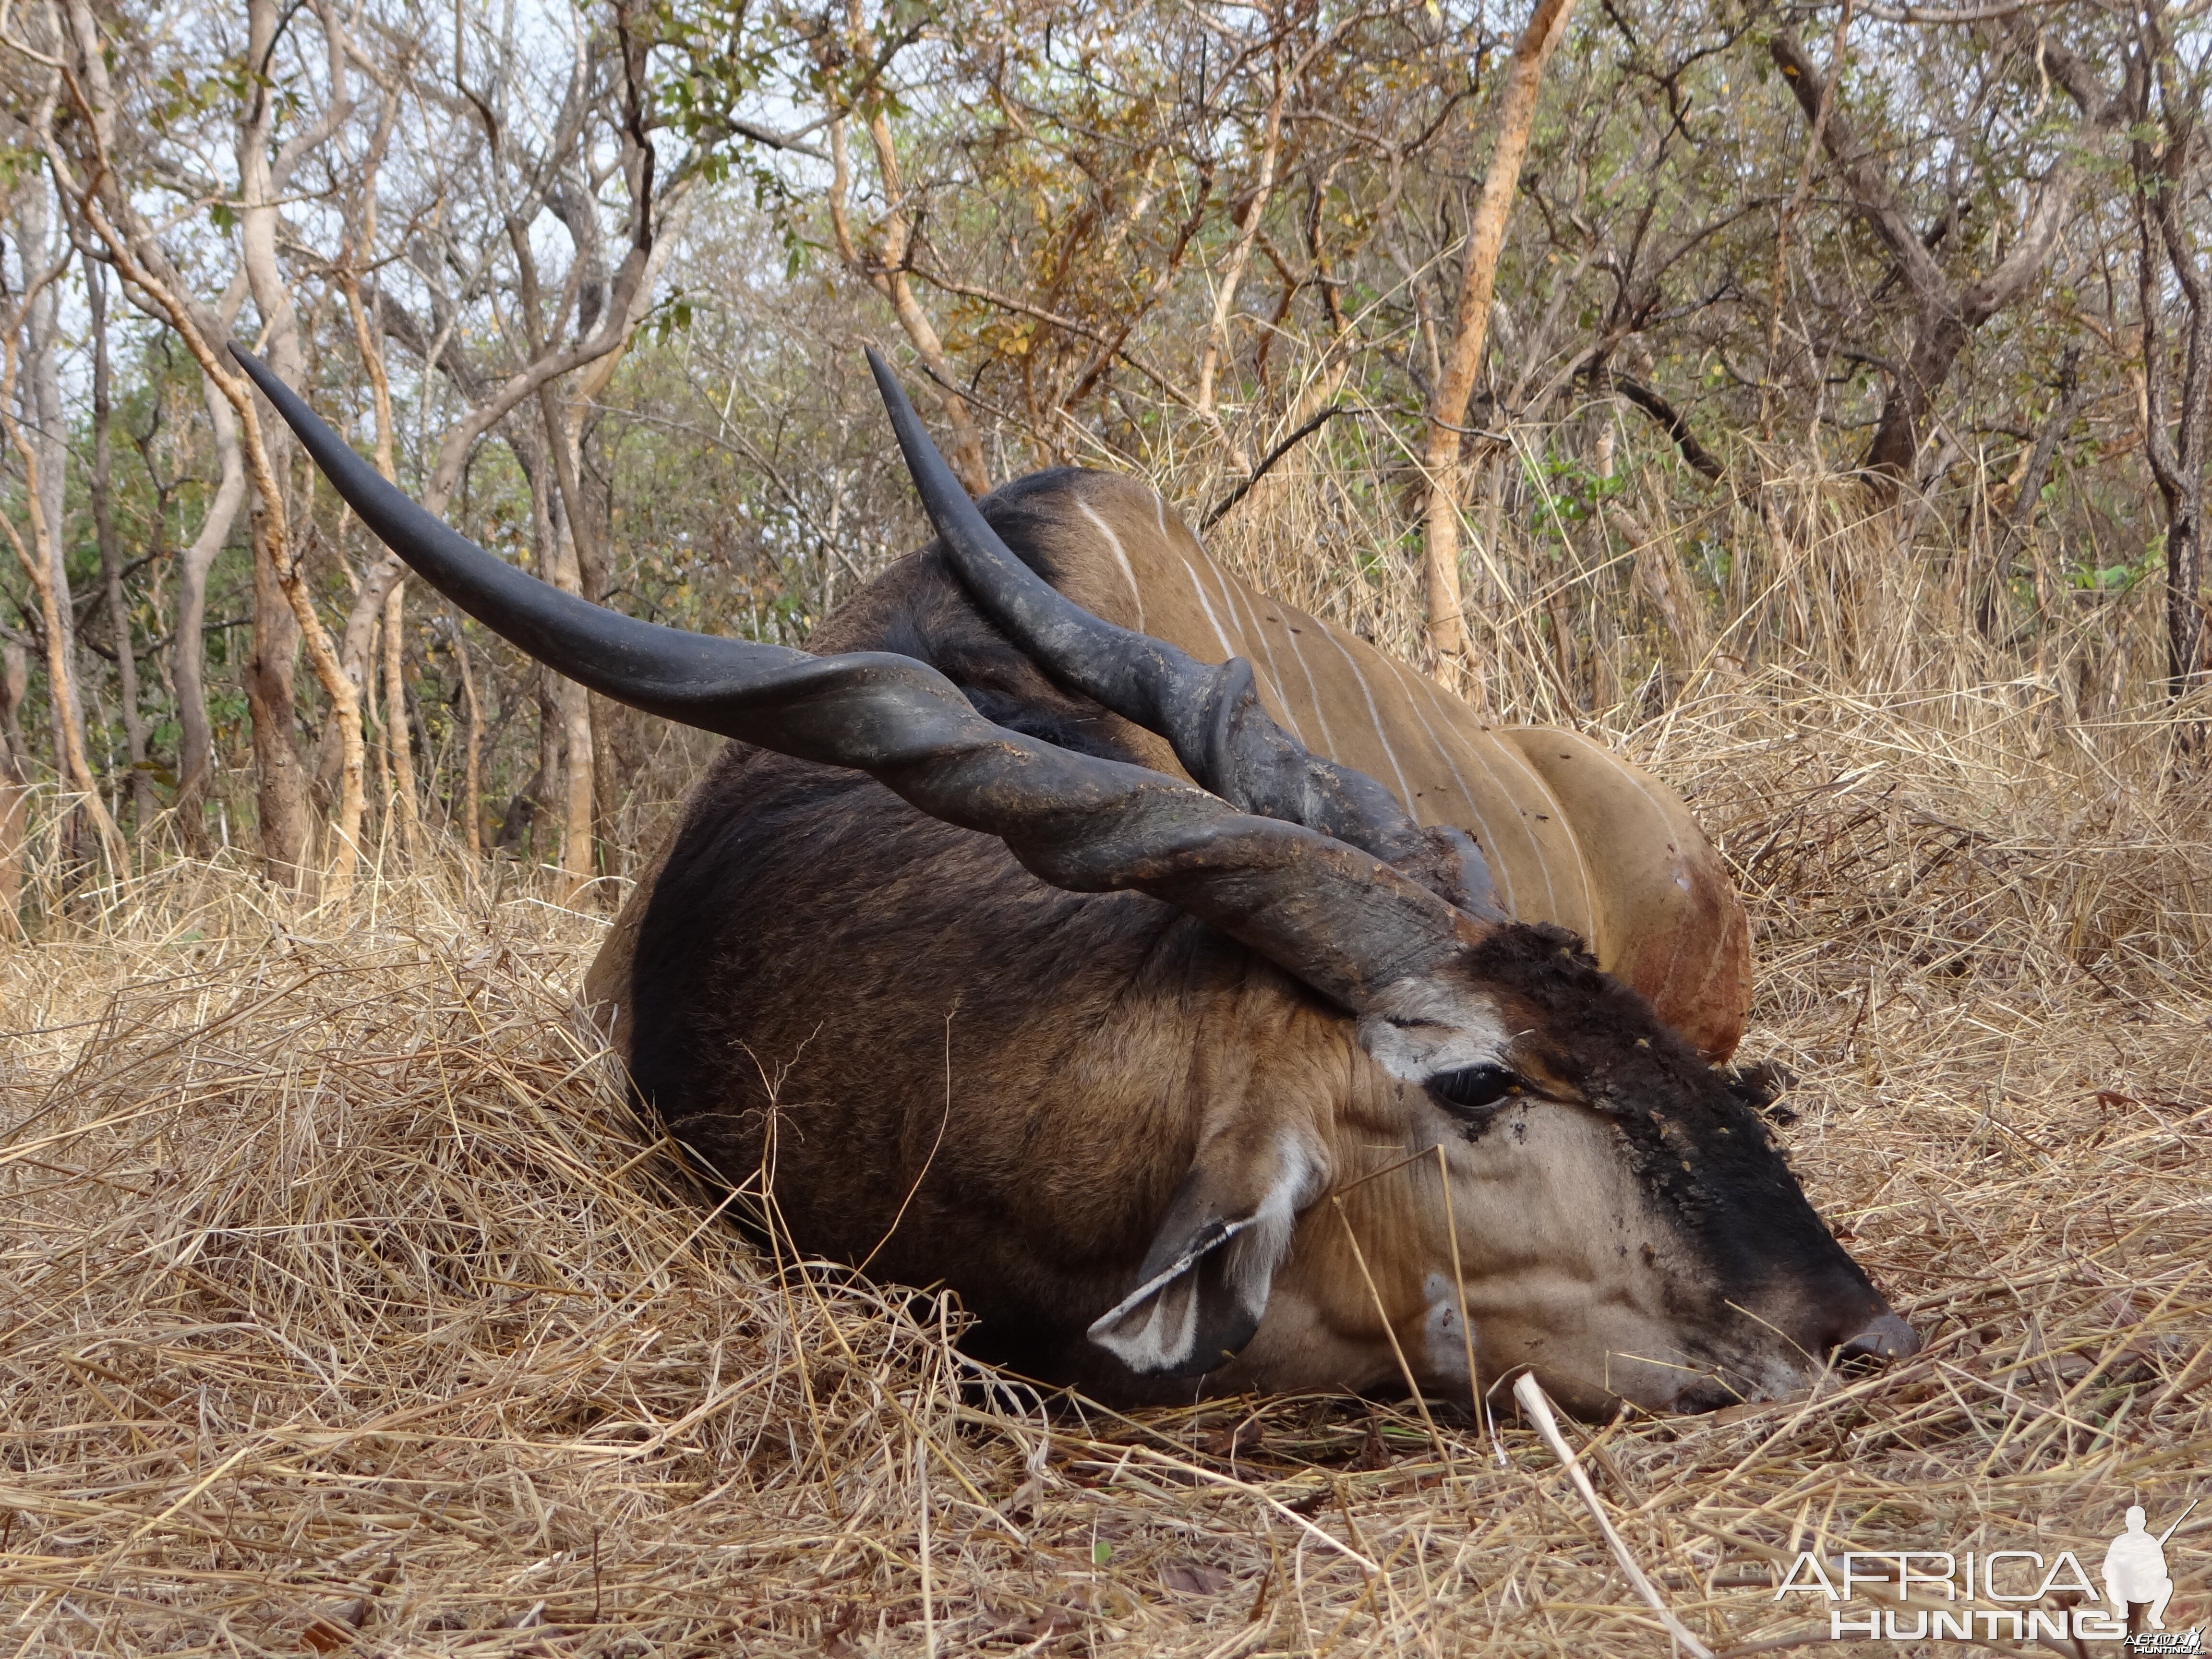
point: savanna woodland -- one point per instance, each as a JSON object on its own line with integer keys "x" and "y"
{"x": 1809, "y": 400}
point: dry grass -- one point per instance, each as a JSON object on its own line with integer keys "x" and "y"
{"x": 345, "y": 1305}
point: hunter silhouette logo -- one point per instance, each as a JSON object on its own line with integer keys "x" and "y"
{"x": 2135, "y": 1583}
{"x": 2135, "y": 1569}
{"x": 2134, "y": 1572}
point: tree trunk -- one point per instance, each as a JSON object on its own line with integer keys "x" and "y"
{"x": 282, "y": 785}
{"x": 2021, "y": 519}
{"x": 188, "y": 653}
{"x": 2185, "y": 610}
{"x": 615, "y": 733}
{"x": 14, "y": 787}
{"x": 285, "y": 839}
{"x": 1454, "y": 386}
{"x": 111, "y": 560}
{"x": 1939, "y": 335}
{"x": 559, "y": 565}
{"x": 1240, "y": 255}
{"x": 388, "y": 576}
{"x": 43, "y": 557}
{"x": 2184, "y": 523}
{"x": 49, "y": 436}
{"x": 578, "y": 821}
{"x": 380, "y": 583}
{"x": 472, "y": 766}
{"x": 1948, "y": 313}
{"x": 395, "y": 720}
{"x": 518, "y": 829}
{"x": 578, "y": 567}
{"x": 326, "y": 758}
{"x": 2174, "y": 446}
{"x": 574, "y": 704}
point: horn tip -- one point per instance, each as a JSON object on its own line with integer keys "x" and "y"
{"x": 887, "y": 386}
{"x": 257, "y": 371}
{"x": 904, "y": 422}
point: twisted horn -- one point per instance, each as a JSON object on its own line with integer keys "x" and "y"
{"x": 1211, "y": 714}
{"x": 1347, "y": 924}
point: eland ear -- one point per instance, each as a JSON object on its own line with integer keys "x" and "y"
{"x": 1203, "y": 1284}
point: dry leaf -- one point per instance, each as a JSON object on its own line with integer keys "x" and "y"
{"x": 1196, "y": 1578}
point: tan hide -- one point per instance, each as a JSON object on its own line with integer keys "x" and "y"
{"x": 1574, "y": 835}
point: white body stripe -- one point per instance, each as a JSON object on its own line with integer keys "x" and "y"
{"x": 1313, "y": 691}
{"x": 1485, "y": 837}
{"x": 1206, "y": 606}
{"x": 1375, "y": 718}
{"x": 1121, "y": 558}
{"x": 1274, "y": 674}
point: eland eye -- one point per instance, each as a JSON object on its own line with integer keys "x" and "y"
{"x": 1473, "y": 1087}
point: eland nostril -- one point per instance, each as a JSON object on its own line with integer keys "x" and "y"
{"x": 1888, "y": 1338}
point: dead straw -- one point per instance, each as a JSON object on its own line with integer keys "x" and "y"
{"x": 331, "y": 1246}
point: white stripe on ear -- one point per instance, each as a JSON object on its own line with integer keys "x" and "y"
{"x": 1201, "y": 1303}
{"x": 1155, "y": 1327}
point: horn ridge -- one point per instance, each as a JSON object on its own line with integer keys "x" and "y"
{"x": 1331, "y": 914}
{"x": 1211, "y": 714}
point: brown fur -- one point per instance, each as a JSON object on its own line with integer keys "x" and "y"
{"x": 948, "y": 1071}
